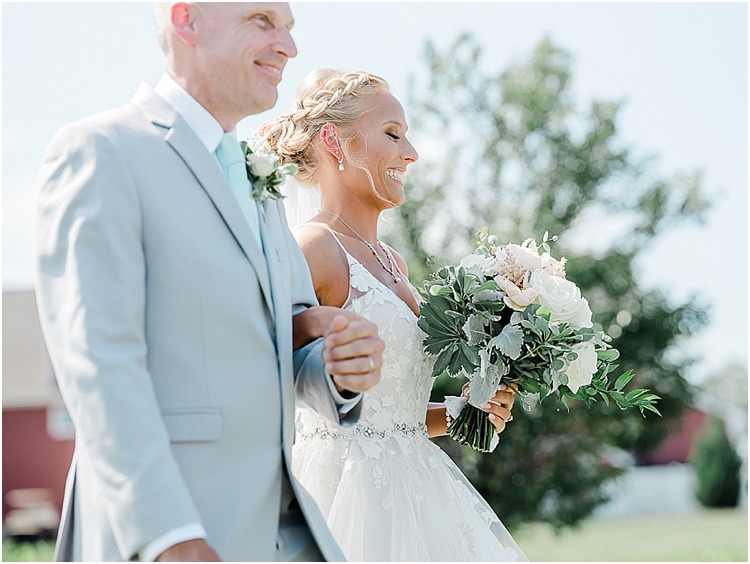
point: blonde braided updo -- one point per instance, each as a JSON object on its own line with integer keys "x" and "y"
{"x": 324, "y": 96}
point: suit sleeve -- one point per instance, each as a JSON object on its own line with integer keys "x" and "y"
{"x": 91, "y": 274}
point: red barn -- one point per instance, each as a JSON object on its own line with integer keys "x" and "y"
{"x": 37, "y": 433}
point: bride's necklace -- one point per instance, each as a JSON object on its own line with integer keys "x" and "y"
{"x": 393, "y": 268}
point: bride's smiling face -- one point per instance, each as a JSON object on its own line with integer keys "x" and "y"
{"x": 380, "y": 144}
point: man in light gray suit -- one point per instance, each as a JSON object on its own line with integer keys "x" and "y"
{"x": 171, "y": 305}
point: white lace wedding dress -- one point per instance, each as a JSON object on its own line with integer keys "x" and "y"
{"x": 387, "y": 492}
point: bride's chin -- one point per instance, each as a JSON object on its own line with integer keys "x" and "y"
{"x": 387, "y": 199}
{"x": 394, "y": 201}
{"x": 396, "y": 197}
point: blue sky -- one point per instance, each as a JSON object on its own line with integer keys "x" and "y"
{"x": 680, "y": 68}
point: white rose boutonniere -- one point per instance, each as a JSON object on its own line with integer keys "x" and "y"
{"x": 264, "y": 170}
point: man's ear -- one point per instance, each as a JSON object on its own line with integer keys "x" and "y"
{"x": 183, "y": 22}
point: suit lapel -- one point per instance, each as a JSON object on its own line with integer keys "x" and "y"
{"x": 185, "y": 143}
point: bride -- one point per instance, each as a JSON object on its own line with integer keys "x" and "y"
{"x": 387, "y": 492}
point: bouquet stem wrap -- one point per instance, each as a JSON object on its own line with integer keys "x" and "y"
{"x": 470, "y": 425}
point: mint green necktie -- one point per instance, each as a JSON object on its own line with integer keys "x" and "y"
{"x": 232, "y": 162}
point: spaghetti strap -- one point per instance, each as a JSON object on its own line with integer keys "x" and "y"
{"x": 350, "y": 260}
{"x": 349, "y": 257}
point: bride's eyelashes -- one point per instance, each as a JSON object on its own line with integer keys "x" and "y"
{"x": 393, "y": 136}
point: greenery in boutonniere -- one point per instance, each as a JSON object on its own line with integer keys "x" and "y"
{"x": 264, "y": 169}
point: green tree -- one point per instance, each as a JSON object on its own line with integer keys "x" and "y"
{"x": 717, "y": 467}
{"x": 511, "y": 151}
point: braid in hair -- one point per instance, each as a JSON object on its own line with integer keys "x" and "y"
{"x": 325, "y": 96}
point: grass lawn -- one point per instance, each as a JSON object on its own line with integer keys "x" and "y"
{"x": 40, "y": 551}
{"x": 708, "y": 536}
{"x": 718, "y": 535}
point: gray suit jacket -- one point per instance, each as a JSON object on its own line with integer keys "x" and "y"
{"x": 171, "y": 338}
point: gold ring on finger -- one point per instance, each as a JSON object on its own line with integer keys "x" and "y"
{"x": 370, "y": 364}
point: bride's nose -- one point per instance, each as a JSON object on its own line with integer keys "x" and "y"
{"x": 410, "y": 153}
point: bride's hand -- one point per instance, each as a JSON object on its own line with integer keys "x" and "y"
{"x": 500, "y": 405}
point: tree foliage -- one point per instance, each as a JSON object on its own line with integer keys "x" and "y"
{"x": 717, "y": 467}
{"x": 510, "y": 150}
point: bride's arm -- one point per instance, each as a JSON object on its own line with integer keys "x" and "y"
{"x": 353, "y": 349}
{"x": 435, "y": 420}
{"x": 329, "y": 271}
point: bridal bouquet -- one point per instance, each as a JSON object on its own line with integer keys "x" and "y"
{"x": 507, "y": 313}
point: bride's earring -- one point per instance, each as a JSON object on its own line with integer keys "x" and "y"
{"x": 341, "y": 162}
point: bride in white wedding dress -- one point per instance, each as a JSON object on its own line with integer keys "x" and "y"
{"x": 387, "y": 492}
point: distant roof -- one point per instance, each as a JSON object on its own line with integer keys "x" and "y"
{"x": 28, "y": 380}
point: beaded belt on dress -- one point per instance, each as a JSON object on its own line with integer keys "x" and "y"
{"x": 367, "y": 431}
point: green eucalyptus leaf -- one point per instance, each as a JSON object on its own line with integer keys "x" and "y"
{"x": 439, "y": 290}
{"x": 623, "y": 380}
{"x": 544, "y": 311}
{"x": 608, "y": 355}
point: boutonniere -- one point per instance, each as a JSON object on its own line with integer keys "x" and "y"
{"x": 264, "y": 169}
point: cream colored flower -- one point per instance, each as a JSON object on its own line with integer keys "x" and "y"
{"x": 552, "y": 265}
{"x": 515, "y": 261}
{"x": 515, "y": 297}
{"x": 563, "y": 298}
{"x": 526, "y": 254}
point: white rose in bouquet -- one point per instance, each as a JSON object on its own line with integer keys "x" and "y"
{"x": 582, "y": 369}
{"x": 563, "y": 299}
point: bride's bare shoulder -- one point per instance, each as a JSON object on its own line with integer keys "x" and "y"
{"x": 327, "y": 261}
{"x": 316, "y": 240}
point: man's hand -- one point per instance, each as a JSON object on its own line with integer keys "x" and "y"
{"x": 197, "y": 550}
{"x": 353, "y": 352}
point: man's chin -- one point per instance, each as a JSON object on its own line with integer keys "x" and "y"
{"x": 266, "y": 101}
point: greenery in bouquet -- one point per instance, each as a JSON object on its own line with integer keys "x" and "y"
{"x": 508, "y": 314}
